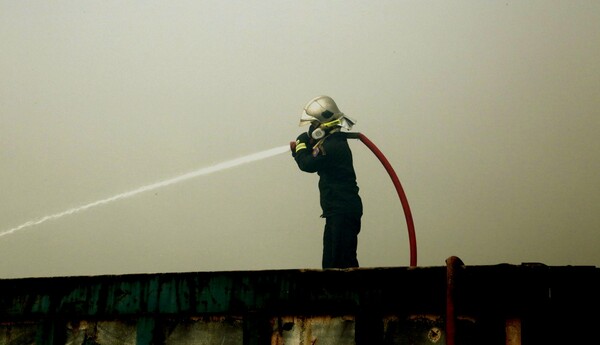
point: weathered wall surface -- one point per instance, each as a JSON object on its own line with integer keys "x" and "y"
{"x": 356, "y": 306}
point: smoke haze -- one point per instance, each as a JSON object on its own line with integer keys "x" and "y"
{"x": 487, "y": 110}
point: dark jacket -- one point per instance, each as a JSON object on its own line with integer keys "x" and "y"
{"x": 337, "y": 183}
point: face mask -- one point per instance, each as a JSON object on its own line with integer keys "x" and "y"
{"x": 316, "y": 133}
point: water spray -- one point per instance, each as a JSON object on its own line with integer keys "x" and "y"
{"x": 233, "y": 163}
{"x": 204, "y": 171}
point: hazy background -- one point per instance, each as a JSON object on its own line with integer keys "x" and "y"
{"x": 489, "y": 112}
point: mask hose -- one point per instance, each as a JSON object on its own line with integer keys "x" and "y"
{"x": 403, "y": 200}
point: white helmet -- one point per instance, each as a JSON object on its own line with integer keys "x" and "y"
{"x": 322, "y": 109}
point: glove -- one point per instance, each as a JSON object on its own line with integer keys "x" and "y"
{"x": 293, "y": 147}
{"x": 303, "y": 142}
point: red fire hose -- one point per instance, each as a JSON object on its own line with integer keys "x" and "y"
{"x": 403, "y": 200}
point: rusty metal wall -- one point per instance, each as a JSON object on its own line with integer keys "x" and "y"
{"x": 221, "y": 330}
{"x": 497, "y": 304}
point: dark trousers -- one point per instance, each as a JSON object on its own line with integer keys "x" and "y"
{"x": 340, "y": 240}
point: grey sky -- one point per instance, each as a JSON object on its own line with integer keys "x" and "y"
{"x": 488, "y": 111}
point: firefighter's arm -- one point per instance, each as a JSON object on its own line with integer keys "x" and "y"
{"x": 302, "y": 153}
{"x": 302, "y": 142}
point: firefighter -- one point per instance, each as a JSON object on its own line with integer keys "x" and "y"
{"x": 324, "y": 149}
